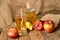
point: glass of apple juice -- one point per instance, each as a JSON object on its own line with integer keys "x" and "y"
{"x": 20, "y": 22}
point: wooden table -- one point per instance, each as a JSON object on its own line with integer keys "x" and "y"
{"x": 35, "y": 35}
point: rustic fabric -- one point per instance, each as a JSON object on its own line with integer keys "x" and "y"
{"x": 5, "y": 11}
{"x": 54, "y": 18}
{"x": 39, "y": 5}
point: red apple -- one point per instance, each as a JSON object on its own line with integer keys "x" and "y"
{"x": 48, "y": 26}
{"x": 12, "y": 32}
{"x": 38, "y": 25}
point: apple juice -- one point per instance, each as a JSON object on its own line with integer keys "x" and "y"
{"x": 30, "y": 15}
{"x": 20, "y": 25}
{"x": 19, "y": 22}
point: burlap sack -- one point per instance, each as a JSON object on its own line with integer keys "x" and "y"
{"x": 2, "y": 23}
{"x": 5, "y": 11}
{"x": 39, "y": 5}
{"x": 50, "y": 5}
{"x": 54, "y": 18}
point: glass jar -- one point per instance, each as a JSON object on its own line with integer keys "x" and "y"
{"x": 30, "y": 15}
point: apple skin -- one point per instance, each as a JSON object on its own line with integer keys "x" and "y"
{"x": 38, "y": 25}
{"x": 12, "y": 32}
{"x": 48, "y": 26}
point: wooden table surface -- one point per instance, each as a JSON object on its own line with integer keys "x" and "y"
{"x": 34, "y": 35}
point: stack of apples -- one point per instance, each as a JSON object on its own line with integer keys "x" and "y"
{"x": 47, "y": 25}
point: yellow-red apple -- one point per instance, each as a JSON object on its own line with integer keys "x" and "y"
{"x": 48, "y": 26}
